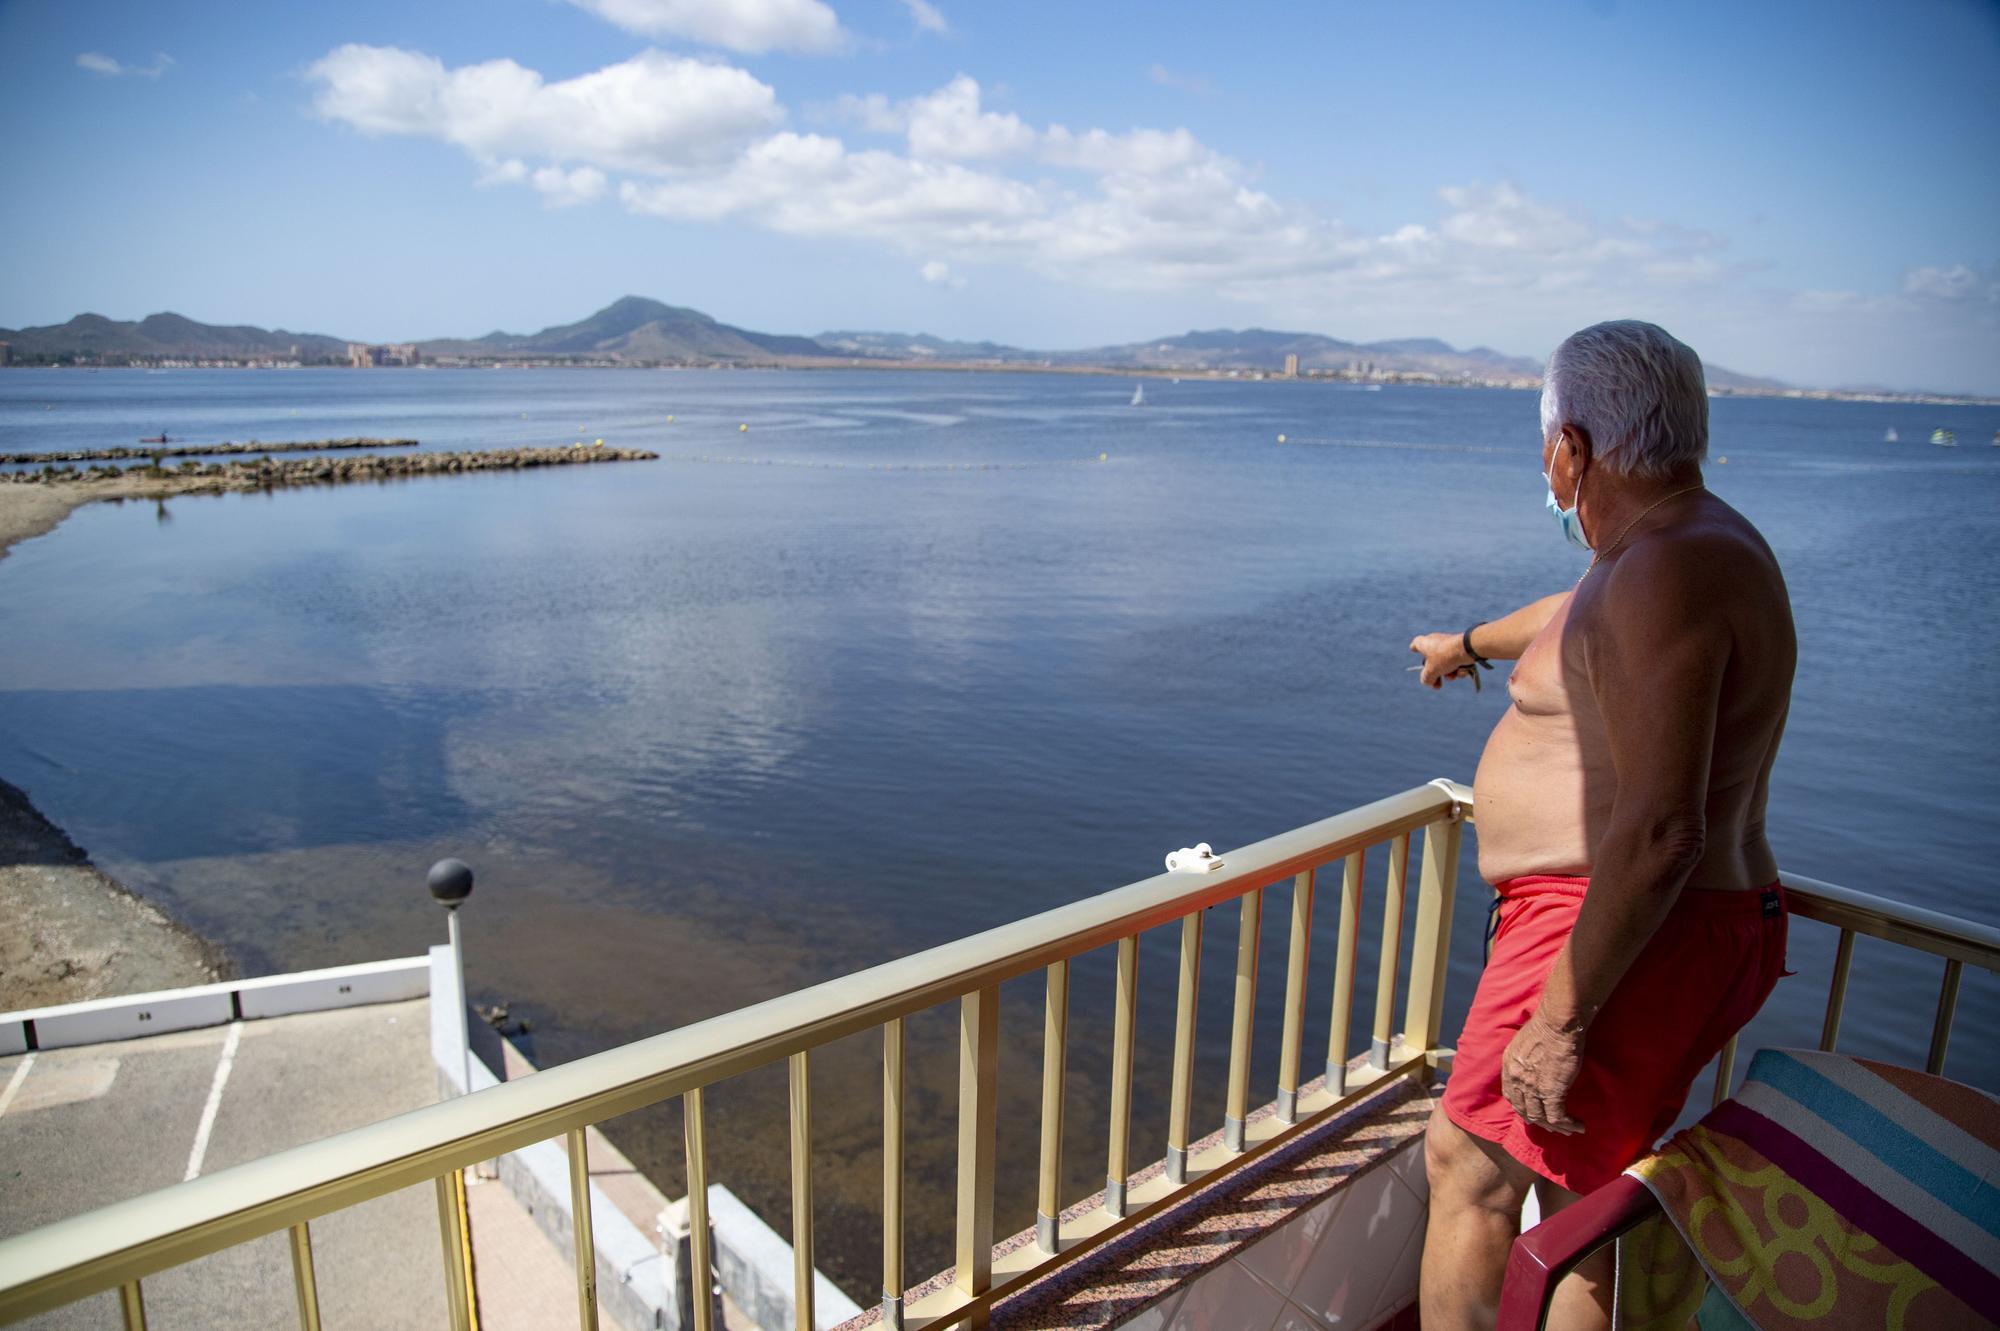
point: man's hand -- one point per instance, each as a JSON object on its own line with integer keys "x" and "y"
{"x": 1537, "y": 1071}
{"x": 1444, "y": 657}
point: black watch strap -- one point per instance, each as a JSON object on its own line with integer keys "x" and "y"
{"x": 1465, "y": 641}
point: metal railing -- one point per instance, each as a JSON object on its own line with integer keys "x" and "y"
{"x": 116, "y": 1247}
{"x": 1858, "y": 914}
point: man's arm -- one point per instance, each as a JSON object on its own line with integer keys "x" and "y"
{"x": 1503, "y": 639}
{"x": 1655, "y": 660}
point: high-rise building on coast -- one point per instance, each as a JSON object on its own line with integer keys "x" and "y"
{"x": 362, "y": 355}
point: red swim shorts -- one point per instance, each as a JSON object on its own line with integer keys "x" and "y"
{"x": 1711, "y": 965}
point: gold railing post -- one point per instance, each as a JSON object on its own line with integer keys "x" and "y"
{"x": 802, "y": 1191}
{"x": 1836, "y": 993}
{"x": 1119, "y": 1166}
{"x": 1349, "y": 926}
{"x": 304, "y": 1284}
{"x": 1437, "y": 892}
{"x": 132, "y": 1303}
{"x": 451, "y": 1232}
{"x": 892, "y": 1174}
{"x": 1295, "y": 997}
{"x": 1725, "y": 1072}
{"x": 1946, "y": 1008}
{"x": 1181, "y": 1094}
{"x": 585, "y": 1237}
{"x": 1055, "y": 1079}
{"x": 700, "y": 1279}
{"x": 978, "y": 1092}
{"x": 1391, "y": 959}
{"x": 1237, "y": 1106}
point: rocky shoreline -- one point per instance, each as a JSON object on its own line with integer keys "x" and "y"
{"x": 268, "y": 474}
{"x": 74, "y": 932}
{"x": 183, "y": 450}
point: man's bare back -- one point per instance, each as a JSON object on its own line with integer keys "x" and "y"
{"x": 1547, "y": 784}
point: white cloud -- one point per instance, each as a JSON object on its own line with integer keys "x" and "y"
{"x": 938, "y": 273}
{"x": 1960, "y": 282}
{"x": 653, "y": 112}
{"x": 925, "y": 15}
{"x": 99, "y": 63}
{"x": 948, "y": 124}
{"x": 752, "y": 26}
{"x": 566, "y": 189}
{"x": 1168, "y": 78}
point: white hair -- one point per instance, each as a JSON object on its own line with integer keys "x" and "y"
{"x": 1636, "y": 390}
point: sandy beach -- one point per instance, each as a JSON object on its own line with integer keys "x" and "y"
{"x": 73, "y": 932}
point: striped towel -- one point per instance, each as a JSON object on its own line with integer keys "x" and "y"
{"x": 1829, "y": 1192}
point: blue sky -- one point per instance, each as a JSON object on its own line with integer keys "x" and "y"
{"x": 1810, "y": 191}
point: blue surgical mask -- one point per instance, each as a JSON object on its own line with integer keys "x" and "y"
{"x": 1567, "y": 518}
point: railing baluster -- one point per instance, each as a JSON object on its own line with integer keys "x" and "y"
{"x": 1120, "y": 1164}
{"x": 1343, "y": 973}
{"x": 1946, "y": 1008}
{"x": 802, "y": 1191}
{"x": 1836, "y": 993}
{"x": 1181, "y": 1093}
{"x": 1437, "y": 893}
{"x": 978, "y": 1092}
{"x": 1237, "y": 1107}
{"x": 1055, "y": 1080}
{"x": 304, "y": 1284}
{"x": 586, "y": 1240}
{"x": 1392, "y": 952}
{"x": 458, "y": 1298}
{"x": 892, "y": 1174}
{"x": 1295, "y": 997}
{"x": 1725, "y": 1072}
{"x": 700, "y": 1280}
{"x": 132, "y": 1303}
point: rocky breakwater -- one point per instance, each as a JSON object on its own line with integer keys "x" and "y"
{"x": 186, "y": 450}
{"x": 270, "y": 474}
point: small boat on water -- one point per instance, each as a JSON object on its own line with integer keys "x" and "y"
{"x": 1139, "y": 395}
{"x": 1890, "y": 437}
{"x": 1944, "y": 438}
{"x": 159, "y": 439}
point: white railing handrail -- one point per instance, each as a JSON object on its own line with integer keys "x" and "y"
{"x": 127, "y": 1240}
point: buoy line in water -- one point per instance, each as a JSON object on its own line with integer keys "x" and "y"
{"x": 714, "y": 460}
{"x": 1400, "y": 444}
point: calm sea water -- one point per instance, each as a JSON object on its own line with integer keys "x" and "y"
{"x": 913, "y": 655}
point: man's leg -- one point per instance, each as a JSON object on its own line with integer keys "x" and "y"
{"x": 1475, "y": 1216}
{"x": 1582, "y": 1300}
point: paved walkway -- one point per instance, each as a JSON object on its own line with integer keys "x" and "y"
{"x": 81, "y": 1128}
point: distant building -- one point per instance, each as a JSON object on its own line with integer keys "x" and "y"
{"x": 1292, "y": 366}
{"x": 362, "y": 355}
{"x": 6, "y": 353}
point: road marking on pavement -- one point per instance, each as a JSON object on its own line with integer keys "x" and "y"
{"x": 222, "y": 1067}
{"x": 14, "y": 1082}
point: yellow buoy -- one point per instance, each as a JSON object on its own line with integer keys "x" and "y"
{"x": 1104, "y": 457}
{"x": 1281, "y": 439}
{"x": 598, "y": 444}
{"x": 741, "y": 428}
{"x": 670, "y": 420}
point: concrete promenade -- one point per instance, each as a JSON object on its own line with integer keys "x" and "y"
{"x": 83, "y": 1127}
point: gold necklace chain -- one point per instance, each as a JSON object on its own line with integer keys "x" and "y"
{"x": 1598, "y": 557}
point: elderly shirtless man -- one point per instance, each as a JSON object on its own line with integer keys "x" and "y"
{"x": 1621, "y": 821}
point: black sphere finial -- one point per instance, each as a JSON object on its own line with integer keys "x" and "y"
{"x": 451, "y": 882}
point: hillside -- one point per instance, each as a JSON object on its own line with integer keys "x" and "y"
{"x": 167, "y": 336}
{"x": 634, "y": 328}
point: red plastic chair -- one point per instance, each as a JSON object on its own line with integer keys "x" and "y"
{"x": 1552, "y": 1249}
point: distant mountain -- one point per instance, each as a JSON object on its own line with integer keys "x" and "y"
{"x": 922, "y": 346}
{"x": 1265, "y": 349}
{"x": 634, "y": 328}
{"x": 166, "y": 336}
